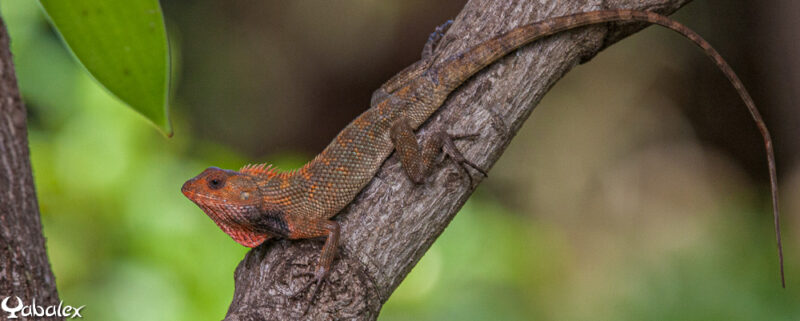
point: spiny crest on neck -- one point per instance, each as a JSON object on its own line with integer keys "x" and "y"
{"x": 264, "y": 170}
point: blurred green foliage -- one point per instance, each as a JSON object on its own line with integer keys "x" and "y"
{"x": 123, "y": 44}
{"x": 121, "y": 238}
{"x": 123, "y": 241}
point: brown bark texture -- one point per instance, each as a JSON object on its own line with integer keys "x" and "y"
{"x": 392, "y": 223}
{"x": 24, "y": 266}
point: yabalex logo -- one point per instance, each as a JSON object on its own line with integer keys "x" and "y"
{"x": 16, "y": 308}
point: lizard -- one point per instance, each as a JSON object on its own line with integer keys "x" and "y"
{"x": 259, "y": 202}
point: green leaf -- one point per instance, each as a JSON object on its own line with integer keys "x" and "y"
{"x": 123, "y": 44}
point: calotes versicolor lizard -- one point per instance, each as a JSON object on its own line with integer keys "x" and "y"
{"x": 258, "y": 202}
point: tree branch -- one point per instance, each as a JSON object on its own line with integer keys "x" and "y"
{"x": 24, "y": 267}
{"x": 391, "y": 224}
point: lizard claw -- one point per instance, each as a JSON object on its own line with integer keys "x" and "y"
{"x": 465, "y": 136}
{"x": 315, "y": 285}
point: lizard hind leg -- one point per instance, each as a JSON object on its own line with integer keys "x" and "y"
{"x": 413, "y": 71}
{"x": 419, "y": 160}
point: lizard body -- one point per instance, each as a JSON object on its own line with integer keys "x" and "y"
{"x": 258, "y": 202}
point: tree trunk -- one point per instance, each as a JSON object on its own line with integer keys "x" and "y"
{"x": 24, "y": 267}
{"x": 390, "y": 225}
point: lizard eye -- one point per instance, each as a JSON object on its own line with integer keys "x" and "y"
{"x": 216, "y": 182}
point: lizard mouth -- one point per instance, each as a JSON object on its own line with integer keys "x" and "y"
{"x": 199, "y": 199}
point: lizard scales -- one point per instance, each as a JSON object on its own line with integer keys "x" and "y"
{"x": 258, "y": 202}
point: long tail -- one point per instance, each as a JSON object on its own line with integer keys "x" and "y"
{"x": 457, "y": 69}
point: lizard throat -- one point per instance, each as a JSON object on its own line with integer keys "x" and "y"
{"x": 228, "y": 219}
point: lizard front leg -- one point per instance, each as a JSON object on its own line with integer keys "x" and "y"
{"x": 304, "y": 228}
{"x": 418, "y": 161}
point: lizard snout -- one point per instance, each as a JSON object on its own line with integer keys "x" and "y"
{"x": 188, "y": 187}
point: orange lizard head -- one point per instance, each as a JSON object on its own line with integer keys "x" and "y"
{"x": 231, "y": 199}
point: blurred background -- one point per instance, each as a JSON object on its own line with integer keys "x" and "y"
{"x": 636, "y": 191}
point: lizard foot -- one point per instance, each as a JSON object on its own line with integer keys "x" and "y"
{"x": 453, "y": 153}
{"x": 314, "y": 285}
{"x": 299, "y": 294}
{"x": 434, "y": 39}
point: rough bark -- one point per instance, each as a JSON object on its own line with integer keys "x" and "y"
{"x": 391, "y": 224}
{"x": 24, "y": 267}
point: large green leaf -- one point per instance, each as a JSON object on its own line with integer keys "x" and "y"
{"x": 123, "y": 44}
